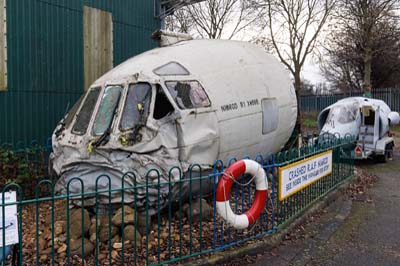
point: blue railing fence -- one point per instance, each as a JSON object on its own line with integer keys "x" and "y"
{"x": 88, "y": 228}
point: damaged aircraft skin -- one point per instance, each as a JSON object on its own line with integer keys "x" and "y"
{"x": 189, "y": 103}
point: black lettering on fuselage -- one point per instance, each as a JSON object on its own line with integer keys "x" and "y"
{"x": 241, "y": 104}
{"x": 252, "y": 102}
{"x": 229, "y": 107}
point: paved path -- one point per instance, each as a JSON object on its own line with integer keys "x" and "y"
{"x": 371, "y": 233}
{"x": 358, "y": 233}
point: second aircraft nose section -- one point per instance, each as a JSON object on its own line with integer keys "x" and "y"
{"x": 339, "y": 130}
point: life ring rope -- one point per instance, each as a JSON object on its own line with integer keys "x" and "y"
{"x": 240, "y": 184}
{"x": 230, "y": 177}
{"x": 237, "y": 182}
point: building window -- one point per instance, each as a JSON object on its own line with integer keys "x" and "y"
{"x": 3, "y": 46}
{"x": 98, "y": 43}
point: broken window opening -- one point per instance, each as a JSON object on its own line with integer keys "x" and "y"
{"x": 162, "y": 106}
{"x": 369, "y": 119}
{"x": 83, "y": 119}
{"x": 188, "y": 94}
{"x": 345, "y": 114}
{"x": 108, "y": 105}
{"x": 137, "y": 106}
{"x": 171, "y": 69}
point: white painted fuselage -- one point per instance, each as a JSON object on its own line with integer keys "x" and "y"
{"x": 200, "y": 101}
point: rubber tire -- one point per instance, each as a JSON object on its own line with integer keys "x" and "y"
{"x": 384, "y": 158}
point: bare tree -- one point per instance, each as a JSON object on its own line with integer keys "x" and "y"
{"x": 363, "y": 48}
{"x": 179, "y": 21}
{"x": 293, "y": 29}
{"x": 215, "y": 19}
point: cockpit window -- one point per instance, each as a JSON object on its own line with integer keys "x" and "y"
{"x": 106, "y": 112}
{"x": 137, "y": 106}
{"x": 188, "y": 94}
{"x": 343, "y": 114}
{"x": 71, "y": 113}
{"x": 171, "y": 69}
{"x": 83, "y": 119}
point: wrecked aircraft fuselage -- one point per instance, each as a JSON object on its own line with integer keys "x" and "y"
{"x": 190, "y": 103}
{"x": 367, "y": 120}
{"x": 345, "y": 117}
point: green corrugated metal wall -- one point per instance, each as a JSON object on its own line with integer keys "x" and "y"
{"x": 45, "y": 58}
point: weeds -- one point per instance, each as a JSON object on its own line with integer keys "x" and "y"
{"x": 309, "y": 120}
{"x": 25, "y": 167}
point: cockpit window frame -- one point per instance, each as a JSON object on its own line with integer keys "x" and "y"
{"x": 188, "y": 81}
{"x": 116, "y": 108}
{"x": 70, "y": 117}
{"x": 88, "y": 127}
{"x": 124, "y": 102}
{"x": 187, "y": 72}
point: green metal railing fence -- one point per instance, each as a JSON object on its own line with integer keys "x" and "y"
{"x": 75, "y": 229}
{"x": 316, "y": 103}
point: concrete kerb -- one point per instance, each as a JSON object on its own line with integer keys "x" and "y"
{"x": 275, "y": 239}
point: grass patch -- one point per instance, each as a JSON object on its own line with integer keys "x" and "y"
{"x": 396, "y": 129}
{"x": 309, "y": 120}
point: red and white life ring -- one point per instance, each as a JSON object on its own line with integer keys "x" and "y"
{"x": 224, "y": 188}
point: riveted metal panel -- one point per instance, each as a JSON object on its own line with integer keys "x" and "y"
{"x": 3, "y": 45}
{"x": 46, "y": 58}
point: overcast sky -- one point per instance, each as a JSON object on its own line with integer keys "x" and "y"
{"x": 313, "y": 73}
{"x": 311, "y": 70}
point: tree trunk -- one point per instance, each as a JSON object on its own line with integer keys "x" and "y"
{"x": 367, "y": 72}
{"x": 297, "y": 81}
{"x": 297, "y": 86}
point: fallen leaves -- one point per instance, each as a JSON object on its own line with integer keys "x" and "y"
{"x": 356, "y": 191}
